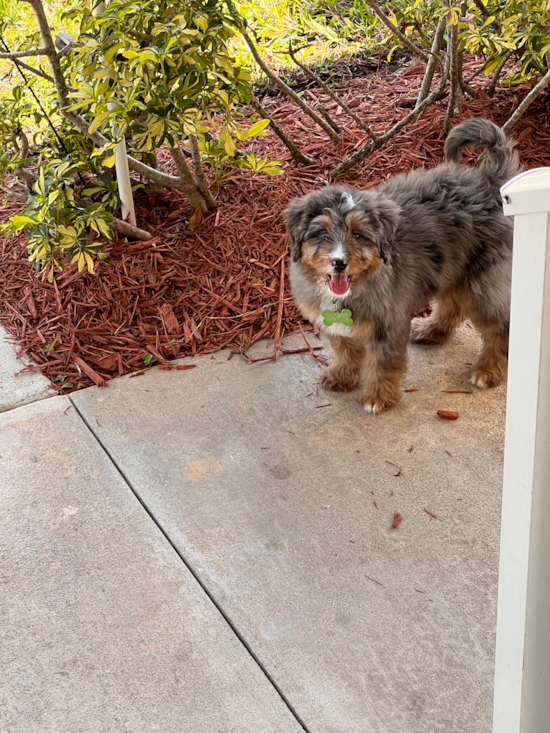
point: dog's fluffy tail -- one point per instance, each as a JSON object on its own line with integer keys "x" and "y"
{"x": 499, "y": 160}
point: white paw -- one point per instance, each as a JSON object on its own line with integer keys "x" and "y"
{"x": 372, "y": 408}
{"x": 478, "y": 382}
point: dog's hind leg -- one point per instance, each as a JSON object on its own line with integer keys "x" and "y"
{"x": 491, "y": 366}
{"x": 345, "y": 371}
{"x": 441, "y": 323}
{"x": 487, "y": 304}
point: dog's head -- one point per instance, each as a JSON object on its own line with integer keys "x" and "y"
{"x": 341, "y": 235}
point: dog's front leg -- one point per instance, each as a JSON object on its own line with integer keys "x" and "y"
{"x": 345, "y": 371}
{"x": 385, "y": 366}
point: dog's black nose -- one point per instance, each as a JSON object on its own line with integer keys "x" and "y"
{"x": 339, "y": 264}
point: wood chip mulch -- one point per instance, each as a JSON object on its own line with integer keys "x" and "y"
{"x": 187, "y": 293}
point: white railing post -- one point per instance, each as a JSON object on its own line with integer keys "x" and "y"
{"x": 522, "y": 673}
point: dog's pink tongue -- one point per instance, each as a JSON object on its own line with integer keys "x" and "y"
{"x": 339, "y": 284}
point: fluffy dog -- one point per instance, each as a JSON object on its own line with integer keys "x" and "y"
{"x": 430, "y": 235}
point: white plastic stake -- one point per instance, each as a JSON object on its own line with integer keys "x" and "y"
{"x": 522, "y": 673}
{"x": 123, "y": 180}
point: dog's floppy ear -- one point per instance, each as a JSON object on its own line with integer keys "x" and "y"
{"x": 296, "y": 225}
{"x": 384, "y": 216}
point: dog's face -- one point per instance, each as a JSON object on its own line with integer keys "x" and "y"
{"x": 341, "y": 235}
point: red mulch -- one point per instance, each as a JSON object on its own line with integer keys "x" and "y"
{"x": 190, "y": 293}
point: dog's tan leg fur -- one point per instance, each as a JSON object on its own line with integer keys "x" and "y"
{"x": 491, "y": 366}
{"x": 382, "y": 387}
{"x": 441, "y": 323}
{"x": 345, "y": 371}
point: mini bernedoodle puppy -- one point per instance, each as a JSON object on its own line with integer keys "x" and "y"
{"x": 380, "y": 255}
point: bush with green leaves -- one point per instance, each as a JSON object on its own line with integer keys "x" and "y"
{"x": 155, "y": 72}
{"x": 487, "y": 29}
{"x": 511, "y": 27}
{"x": 490, "y": 30}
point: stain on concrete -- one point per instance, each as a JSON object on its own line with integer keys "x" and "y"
{"x": 280, "y": 472}
{"x": 202, "y": 469}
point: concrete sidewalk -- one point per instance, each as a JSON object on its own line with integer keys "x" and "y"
{"x": 274, "y": 594}
{"x": 102, "y": 627}
{"x": 18, "y": 389}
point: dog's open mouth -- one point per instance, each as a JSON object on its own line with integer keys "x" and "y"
{"x": 339, "y": 283}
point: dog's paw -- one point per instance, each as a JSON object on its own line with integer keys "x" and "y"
{"x": 484, "y": 378}
{"x": 425, "y": 331}
{"x": 380, "y": 399}
{"x": 374, "y": 407}
{"x": 338, "y": 379}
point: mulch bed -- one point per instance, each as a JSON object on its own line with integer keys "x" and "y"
{"x": 188, "y": 293}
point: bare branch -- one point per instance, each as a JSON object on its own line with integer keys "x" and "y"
{"x": 530, "y": 98}
{"x": 202, "y": 183}
{"x": 486, "y": 14}
{"x": 24, "y": 143}
{"x": 297, "y": 154}
{"x": 280, "y": 83}
{"x": 452, "y": 55}
{"x": 20, "y": 171}
{"x": 322, "y": 111}
{"x": 434, "y": 55}
{"x": 14, "y": 195}
{"x": 479, "y": 4}
{"x": 362, "y": 153}
{"x": 51, "y": 53}
{"x": 128, "y": 230}
{"x": 24, "y": 54}
{"x": 38, "y": 72}
{"x": 477, "y": 72}
{"x": 317, "y": 79}
{"x": 501, "y": 64}
{"x": 188, "y": 182}
{"x": 467, "y": 88}
{"x": 153, "y": 174}
{"x": 140, "y": 36}
{"x": 397, "y": 33}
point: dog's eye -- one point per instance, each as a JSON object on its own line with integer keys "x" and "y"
{"x": 356, "y": 235}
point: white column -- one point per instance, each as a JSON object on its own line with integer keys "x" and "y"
{"x": 522, "y": 674}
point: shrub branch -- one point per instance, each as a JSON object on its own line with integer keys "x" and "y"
{"x": 432, "y": 62}
{"x": 496, "y": 75}
{"x": 362, "y": 153}
{"x": 397, "y": 33}
{"x": 320, "y": 83}
{"x": 452, "y": 55}
{"x": 288, "y": 91}
{"x": 37, "y": 72}
{"x": 202, "y": 183}
{"x": 12, "y": 56}
{"x": 530, "y": 98}
{"x": 295, "y": 152}
{"x": 188, "y": 182}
